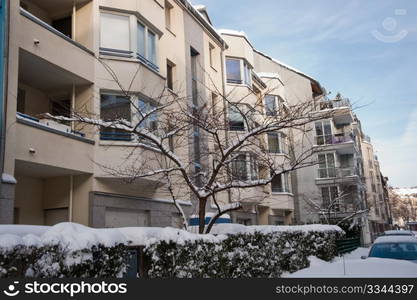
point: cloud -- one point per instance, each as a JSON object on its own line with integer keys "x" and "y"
{"x": 398, "y": 155}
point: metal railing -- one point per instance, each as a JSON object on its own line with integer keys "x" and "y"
{"x": 38, "y": 121}
{"x": 338, "y": 103}
{"x": 324, "y": 173}
{"x": 115, "y": 136}
{"x": 334, "y": 139}
{"x": 347, "y": 245}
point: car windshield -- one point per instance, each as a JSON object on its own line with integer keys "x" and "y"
{"x": 398, "y": 233}
{"x": 407, "y": 251}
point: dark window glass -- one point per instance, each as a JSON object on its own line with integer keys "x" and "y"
{"x": 112, "y": 109}
{"x": 233, "y": 70}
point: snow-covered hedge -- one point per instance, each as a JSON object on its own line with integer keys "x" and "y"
{"x": 73, "y": 250}
{"x": 64, "y": 250}
{"x": 247, "y": 251}
{"x": 56, "y": 261}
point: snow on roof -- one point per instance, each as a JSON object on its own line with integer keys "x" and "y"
{"x": 232, "y": 32}
{"x": 199, "y": 6}
{"x": 286, "y": 66}
{"x": 406, "y": 191}
{"x": 396, "y": 239}
{"x": 237, "y": 228}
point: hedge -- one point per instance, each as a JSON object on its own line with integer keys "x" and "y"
{"x": 259, "y": 253}
{"x": 55, "y": 261}
{"x": 242, "y": 255}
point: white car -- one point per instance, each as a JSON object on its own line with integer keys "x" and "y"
{"x": 398, "y": 232}
{"x": 395, "y": 247}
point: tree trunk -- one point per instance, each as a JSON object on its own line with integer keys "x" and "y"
{"x": 202, "y": 215}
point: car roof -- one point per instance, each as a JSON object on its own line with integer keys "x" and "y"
{"x": 396, "y": 239}
{"x": 398, "y": 232}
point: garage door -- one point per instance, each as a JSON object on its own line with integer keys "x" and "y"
{"x": 116, "y": 217}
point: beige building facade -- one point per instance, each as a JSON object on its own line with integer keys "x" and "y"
{"x": 84, "y": 56}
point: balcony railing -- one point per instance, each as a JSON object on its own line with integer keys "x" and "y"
{"x": 333, "y": 139}
{"x": 324, "y": 173}
{"x": 50, "y": 124}
{"x": 330, "y": 104}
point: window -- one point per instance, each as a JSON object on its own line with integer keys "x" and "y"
{"x": 151, "y": 54}
{"x": 327, "y": 165}
{"x": 277, "y": 142}
{"x": 236, "y": 120}
{"x": 233, "y": 70}
{"x": 115, "y": 32}
{"x": 239, "y": 168}
{"x": 330, "y": 199}
{"x": 112, "y": 108}
{"x": 115, "y": 39}
{"x": 214, "y": 103}
{"x": 151, "y": 121}
{"x": 245, "y": 167}
{"x": 248, "y": 73}
{"x": 270, "y": 105}
{"x": 168, "y": 15}
{"x": 170, "y": 75}
{"x": 211, "y": 55}
{"x": 323, "y": 132}
{"x": 281, "y": 183}
{"x": 141, "y": 40}
{"x": 253, "y": 167}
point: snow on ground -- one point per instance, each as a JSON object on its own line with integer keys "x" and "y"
{"x": 237, "y": 228}
{"x": 351, "y": 265}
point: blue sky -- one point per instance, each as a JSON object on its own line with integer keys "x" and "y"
{"x": 367, "y": 50}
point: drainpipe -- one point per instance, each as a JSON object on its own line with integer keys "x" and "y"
{"x": 229, "y": 192}
{"x": 74, "y": 19}
{"x": 70, "y": 206}
{"x": 72, "y": 106}
{"x": 4, "y": 43}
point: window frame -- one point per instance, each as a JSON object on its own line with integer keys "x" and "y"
{"x": 245, "y": 72}
{"x": 237, "y": 112}
{"x": 168, "y": 7}
{"x": 330, "y": 170}
{"x": 135, "y": 51}
{"x": 327, "y": 139}
{"x": 115, "y": 134}
{"x": 281, "y": 142}
{"x": 251, "y": 167}
{"x": 285, "y": 187}
{"x": 331, "y": 198}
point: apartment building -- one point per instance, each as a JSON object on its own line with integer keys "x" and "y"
{"x": 60, "y": 55}
{"x": 376, "y": 192}
{"x": 76, "y": 56}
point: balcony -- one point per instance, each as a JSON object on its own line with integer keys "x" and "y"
{"x": 341, "y": 143}
{"x": 53, "y": 39}
{"x": 342, "y": 110}
{"x": 337, "y": 175}
{"x": 283, "y": 201}
{"x": 43, "y": 144}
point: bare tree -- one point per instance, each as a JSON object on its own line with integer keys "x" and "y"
{"x": 335, "y": 211}
{"x": 229, "y": 154}
{"x": 402, "y": 207}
